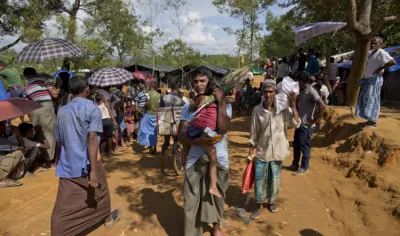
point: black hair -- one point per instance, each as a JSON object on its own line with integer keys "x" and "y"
{"x": 332, "y": 60}
{"x": 64, "y": 76}
{"x": 159, "y": 91}
{"x": 202, "y": 71}
{"x": 30, "y": 72}
{"x": 300, "y": 49}
{"x": 3, "y": 64}
{"x": 78, "y": 84}
{"x": 284, "y": 60}
{"x": 304, "y": 77}
{"x": 25, "y": 128}
{"x": 310, "y": 50}
{"x": 153, "y": 84}
{"x": 141, "y": 81}
{"x": 98, "y": 98}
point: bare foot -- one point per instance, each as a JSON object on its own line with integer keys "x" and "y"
{"x": 215, "y": 192}
{"x": 218, "y": 232}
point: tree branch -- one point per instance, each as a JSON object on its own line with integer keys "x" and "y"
{"x": 11, "y": 44}
{"x": 352, "y": 15}
{"x": 382, "y": 23}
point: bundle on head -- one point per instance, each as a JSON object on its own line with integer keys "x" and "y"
{"x": 232, "y": 80}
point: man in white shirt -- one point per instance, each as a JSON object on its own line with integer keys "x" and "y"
{"x": 369, "y": 99}
{"x": 333, "y": 69}
{"x": 268, "y": 137}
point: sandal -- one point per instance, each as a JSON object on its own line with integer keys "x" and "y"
{"x": 255, "y": 215}
{"x": 115, "y": 215}
{"x": 9, "y": 183}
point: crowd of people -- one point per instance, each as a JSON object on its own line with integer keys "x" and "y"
{"x": 76, "y": 122}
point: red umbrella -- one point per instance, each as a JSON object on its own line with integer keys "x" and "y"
{"x": 144, "y": 76}
{"x": 16, "y": 107}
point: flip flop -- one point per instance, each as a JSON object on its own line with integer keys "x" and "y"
{"x": 255, "y": 215}
{"x": 115, "y": 214}
{"x": 9, "y": 183}
{"x": 241, "y": 213}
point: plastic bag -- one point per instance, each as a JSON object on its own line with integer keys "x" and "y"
{"x": 248, "y": 177}
{"x": 284, "y": 88}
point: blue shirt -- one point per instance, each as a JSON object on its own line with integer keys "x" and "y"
{"x": 313, "y": 65}
{"x": 196, "y": 151}
{"x": 74, "y": 122}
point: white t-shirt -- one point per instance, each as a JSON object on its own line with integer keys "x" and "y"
{"x": 325, "y": 92}
{"x": 104, "y": 111}
{"x": 376, "y": 60}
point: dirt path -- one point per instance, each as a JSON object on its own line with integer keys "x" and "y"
{"x": 323, "y": 202}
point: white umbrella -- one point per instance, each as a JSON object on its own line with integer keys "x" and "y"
{"x": 308, "y": 31}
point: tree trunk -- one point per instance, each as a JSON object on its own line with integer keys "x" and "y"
{"x": 11, "y": 44}
{"x": 357, "y": 70}
{"x": 71, "y": 35}
{"x": 252, "y": 19}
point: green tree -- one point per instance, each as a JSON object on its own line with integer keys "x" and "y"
{"x": 24, "y": 19}
{"x": 248, "y": 11}
{"x": 116, "y": 24}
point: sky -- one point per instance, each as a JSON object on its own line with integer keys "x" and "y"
{"x": 206, "y": 34}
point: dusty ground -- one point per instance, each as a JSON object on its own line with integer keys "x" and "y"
{"x": 351, "y": 189}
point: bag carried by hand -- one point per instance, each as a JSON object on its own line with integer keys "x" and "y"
{"x": 248, "y": 177}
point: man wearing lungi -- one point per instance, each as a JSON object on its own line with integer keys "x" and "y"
{"x": 200, "y": 208}
{"x": 83, "y": 198}
{"x": 369, "y": 98}
{"x": 268, "y": 135}
{"x": 148, "y": 123}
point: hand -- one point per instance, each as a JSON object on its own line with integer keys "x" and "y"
{"x": 93, "y": 179}
{"x": 204, "y": 140}
{"x": 38, "y": 129}
{"x": 309, "y": 124}
{"x": 218, "y": 93}
{"x": 293, "y": 98}
{"x": 379, "y": 71}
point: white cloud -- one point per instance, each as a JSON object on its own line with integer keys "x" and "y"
{"x": 196, "y": 34}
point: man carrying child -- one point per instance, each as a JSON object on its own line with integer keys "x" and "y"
{"x": 200, "y": 207}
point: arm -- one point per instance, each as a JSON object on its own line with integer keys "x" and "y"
{"x": 381, "y": 69}
{"x": 55, "y": 92}
{"x": 223, "y": 120}
{"x": 321, "y": 111}
{"x": 294, "y": 116}
{"x": 40, "y": 136}
{"x": 92, "y": 152}
{"x": 182, "y": 131}
{"x": 254, "y": 132}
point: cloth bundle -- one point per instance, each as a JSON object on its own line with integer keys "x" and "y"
{"x": 284, "y": 88}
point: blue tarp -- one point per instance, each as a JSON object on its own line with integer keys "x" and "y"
{"x": 393, "y": 51}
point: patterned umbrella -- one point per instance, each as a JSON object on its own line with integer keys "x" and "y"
{"x": 49, "y": 49}
{"x": 110, "y": 76}
{"x": 16, "y": 107}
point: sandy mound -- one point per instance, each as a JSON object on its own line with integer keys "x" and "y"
{"x": 371, "y": 155}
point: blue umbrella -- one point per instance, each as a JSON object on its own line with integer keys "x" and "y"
{"x": 62, "y": 71}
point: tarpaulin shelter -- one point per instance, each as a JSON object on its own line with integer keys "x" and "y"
{"x": 180, "y": 76}
{"x": 160, "y": 71}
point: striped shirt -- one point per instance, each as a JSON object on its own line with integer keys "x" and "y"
{"x": 141, "y": 98}
{"x": 36, "y": 90}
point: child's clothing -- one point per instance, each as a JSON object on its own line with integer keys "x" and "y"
{"x": 207, "y": 117}
{"x": 129, "y": 117}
